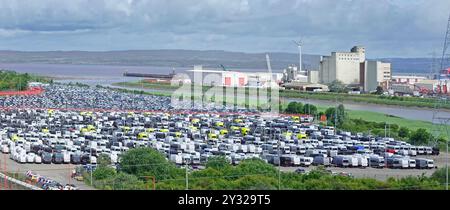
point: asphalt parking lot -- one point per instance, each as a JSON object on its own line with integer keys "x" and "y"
{"x": 78, "y": 136}
{"x": 61, "y": 173}
{"x": 383, "y": 173}
{"x": 58, "y": 172}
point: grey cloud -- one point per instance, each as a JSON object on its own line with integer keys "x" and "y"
{"x": 388, "y": 27}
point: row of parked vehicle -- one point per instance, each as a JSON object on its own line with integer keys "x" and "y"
{"x": 79, "y": 137}
{"x": 46, "y": 183}
{"x": 58, "y": 96}
{"x": 356, "y": 161}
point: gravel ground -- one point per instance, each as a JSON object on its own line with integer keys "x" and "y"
{"x": 383, "y": 173}
{"x": 60, "y": 173}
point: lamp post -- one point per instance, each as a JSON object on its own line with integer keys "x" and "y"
{"x": 90, "y": 160}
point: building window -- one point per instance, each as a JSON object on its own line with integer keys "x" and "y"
{"x": 227, "y": 81}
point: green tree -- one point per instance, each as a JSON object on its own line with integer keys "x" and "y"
{"x": 148, "y": 162}
{"x": 403, "y": 132}
{"x": 340, "y": 114}
{"x": 255, "y": 182}
{"x": 291, "y": 107}
{"x": 379, "y": 90}
{"x": 103, "y": 172}
{"x": 420, "y": 136}
{"x": 337, "y": 86}
{"x": 440, "y": 175}
{"x": 309, "y": 109}
{"x": 330, "y": 113}
{"x": 10, "y": 80}
{"x": 294, "y": 108}
{"x": 217, "y": 162}
{"x": 336, "y": 115}
{"x": 104, "y": 160}
{"x": 123, "y": 181}
{"x": 255, "y": 166}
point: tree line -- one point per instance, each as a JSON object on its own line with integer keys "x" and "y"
{"x": 10, "y": 80}
{"x": 139, "y": 166}
{"x": 337, "y": 116}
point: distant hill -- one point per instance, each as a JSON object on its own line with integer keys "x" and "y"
{"x": 169, "y": 58}
{"x": 189, "y": 58}
{"x": 410, "y": 65}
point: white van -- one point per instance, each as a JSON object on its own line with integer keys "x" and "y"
{"x": 306, "y": 161}
{"x": 353, "y": 161}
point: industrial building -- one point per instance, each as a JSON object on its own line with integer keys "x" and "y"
{"x": 305, "y": 86}
{"x": 292, "y": 73}
{"x": 418, "y": 85}
{"x": 233, "y": 78}
{"x": 352, "y": 68}
{"x": 410, "y": 79}
{"x": 342, "y": 66}
{"x": 411, "y": 84}
{"x": 375, "y": 73}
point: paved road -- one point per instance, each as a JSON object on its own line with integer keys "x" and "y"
{"x": 376, "y": 173}
{"x": 60, "y": 173}
{"x": 383, "y": 173}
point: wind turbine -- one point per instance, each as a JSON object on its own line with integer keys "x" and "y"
{"x": 269, "y": 67}
{"x": 299, "y": 45}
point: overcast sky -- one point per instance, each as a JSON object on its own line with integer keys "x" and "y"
{"x": 388, "y": 28}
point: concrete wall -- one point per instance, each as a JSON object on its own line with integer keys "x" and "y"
{"x": 343, "y": 66}
{"x": 236, "y": 79}
{"x": 313, "y": 76}
{"x": 347, "y": 68}
{"x": 371, "y": 76}
{"x": 327, "y": 69}
{"x": 377, "y": 73}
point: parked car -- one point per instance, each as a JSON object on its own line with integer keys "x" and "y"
{"x": 300, "y": 170}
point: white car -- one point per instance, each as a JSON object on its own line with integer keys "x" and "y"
{"x": 93, "y": 160}
{"x": 5, "y": 149}
{"x": 114, "y": 158}
{"x": 37, "y": 159}
{"x": 66, "y": 157}
{"x": 22, "y": 158}
{"x": 30, "y": 157}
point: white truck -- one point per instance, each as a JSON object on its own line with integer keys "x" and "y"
{"x": 176, "y": 158}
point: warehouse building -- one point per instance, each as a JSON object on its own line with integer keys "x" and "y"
{"x": 233, "y": 78}
{"x": 375, "y": 73}
{"x": 410, "y": 79}
{"x": 342, "y": 66}
{"x": 352, "y": 69}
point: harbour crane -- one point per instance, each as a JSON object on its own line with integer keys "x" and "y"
{"x": 444, "y": 73}
{"x": 223, "y": 67}
{"x": 445, "y": 57}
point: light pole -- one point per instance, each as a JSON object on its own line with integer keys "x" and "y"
{"x": 389, "y": 125}
{"x": 299, "y": 45}
{"x": 90, "y": 161}
{"x": 335, "y": 115}
{"x": 187, "y": 179}
{"x": 279, "y": 165}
